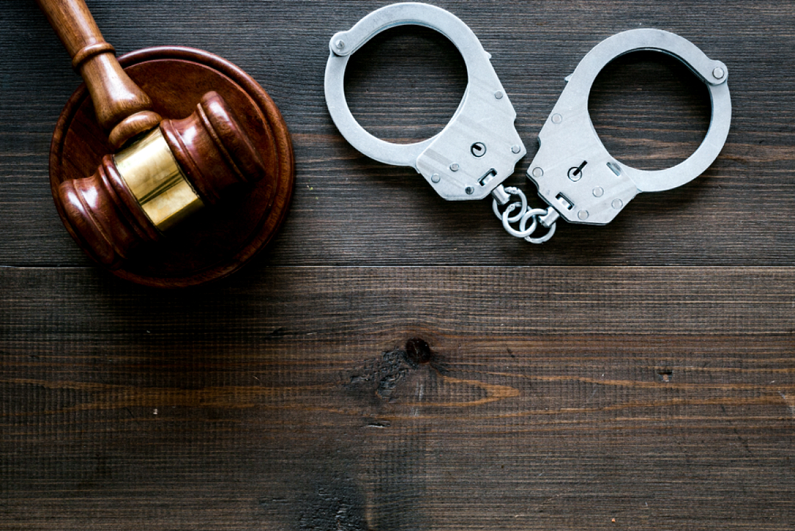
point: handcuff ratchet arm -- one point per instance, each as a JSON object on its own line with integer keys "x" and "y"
{"x": 479, "y": 147}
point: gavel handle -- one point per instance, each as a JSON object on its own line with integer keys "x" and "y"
{"x": 120, "y": 105}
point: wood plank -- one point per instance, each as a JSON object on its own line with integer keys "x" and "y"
{"x": 349, "y": 210}
{"x": 288, "y": 398}
{"x": 639, "y": 375}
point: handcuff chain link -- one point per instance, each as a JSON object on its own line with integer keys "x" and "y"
{"x": 522, "y": 217}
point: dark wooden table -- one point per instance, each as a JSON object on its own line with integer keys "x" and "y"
{"x": 398, "y": 362}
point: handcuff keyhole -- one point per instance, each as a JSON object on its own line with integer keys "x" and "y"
{"x": 575, "y": 174}
{"x": 478, "y": 149}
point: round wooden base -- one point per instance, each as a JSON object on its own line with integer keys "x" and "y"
{"x": 218, "y": 240}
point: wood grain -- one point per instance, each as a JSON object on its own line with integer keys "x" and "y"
{"x": 553, "y": 397}
{"x": 634, "y": 376}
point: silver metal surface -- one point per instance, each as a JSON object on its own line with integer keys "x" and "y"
{"x": 485, "y": 115}
{"x": 573, "y": 170}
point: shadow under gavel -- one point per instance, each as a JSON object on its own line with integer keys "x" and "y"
{"x": 164, "y": 169}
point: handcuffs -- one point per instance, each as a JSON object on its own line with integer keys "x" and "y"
{"x": 479, "y": 148}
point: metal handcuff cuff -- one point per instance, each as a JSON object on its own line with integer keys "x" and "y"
{"x": 479, "y": 148}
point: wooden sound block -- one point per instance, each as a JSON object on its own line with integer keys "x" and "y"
{"x": 218, "y": 240}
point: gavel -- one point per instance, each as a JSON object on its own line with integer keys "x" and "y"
{"x": 163, "y": 170}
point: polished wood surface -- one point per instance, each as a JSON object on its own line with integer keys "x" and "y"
{"x": 229, "y": 140}
{"x": 635, "y": 376}
{"x": 214, "y": 149}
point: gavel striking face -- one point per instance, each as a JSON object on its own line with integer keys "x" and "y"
{"x": 165, "y": 170}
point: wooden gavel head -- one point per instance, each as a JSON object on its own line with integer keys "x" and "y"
{"x": 138, "y": 194}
